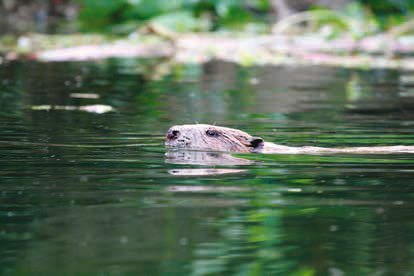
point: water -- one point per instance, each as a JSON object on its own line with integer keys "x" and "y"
{"x": 88, "y": 192}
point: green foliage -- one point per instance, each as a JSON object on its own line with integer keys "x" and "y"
{"x": 390, "y": 12}
{"x": 95, "y": 14}
{"x": 207, "y": 15}
{"x": 389, "y": 7}
{"x": 181, "y": 15}
{"x": 363, "y": 21}
{"x": 183, "y": 21}
{"x": 147, "y": 9}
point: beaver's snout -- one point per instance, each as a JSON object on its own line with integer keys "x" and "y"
{"x": 173, "y": 134}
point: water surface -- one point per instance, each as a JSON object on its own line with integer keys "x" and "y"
{"x": 88, "y": 192}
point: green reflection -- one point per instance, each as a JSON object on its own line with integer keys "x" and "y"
{"x": 90, "y": 193}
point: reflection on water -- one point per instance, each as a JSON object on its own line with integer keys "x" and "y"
{"x": 88, "y": 192}
{"x": 193, "y": 157}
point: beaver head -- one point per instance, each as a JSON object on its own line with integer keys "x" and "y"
{"x": 208, "y": 137}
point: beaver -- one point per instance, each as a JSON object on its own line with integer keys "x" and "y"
{"x": 224, "y": 139}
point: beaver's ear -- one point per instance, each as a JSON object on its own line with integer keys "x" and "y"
{"x": 256, "y": 143}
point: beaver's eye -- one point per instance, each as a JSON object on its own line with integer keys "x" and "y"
{"x": 212, "y": 133}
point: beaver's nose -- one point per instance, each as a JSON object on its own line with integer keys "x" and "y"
{"x": 173, "y": 134}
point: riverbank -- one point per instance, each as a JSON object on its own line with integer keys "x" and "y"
{"x": 380, "y": 51}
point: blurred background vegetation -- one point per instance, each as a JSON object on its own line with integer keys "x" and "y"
{"x": 125, "y": 16}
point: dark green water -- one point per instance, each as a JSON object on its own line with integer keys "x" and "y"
{"x": 95, "y": 193}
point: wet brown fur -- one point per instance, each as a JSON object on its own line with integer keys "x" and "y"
{"x": 234, "y": 140}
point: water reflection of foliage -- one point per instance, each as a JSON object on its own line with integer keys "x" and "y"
{"x": 305, "y": 241}
{"x": 356, "y": 214}
{"x": 252, "y": 243}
